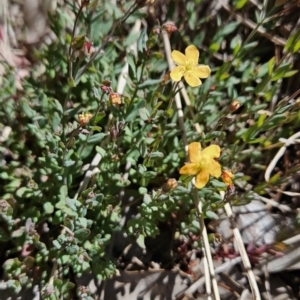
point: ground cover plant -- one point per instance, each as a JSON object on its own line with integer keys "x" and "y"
{"x": 136, "y": 131}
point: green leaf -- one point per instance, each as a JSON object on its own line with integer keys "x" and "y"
{"x": 56, "y": 244}
{"x": 96, "y": 128}
{"x": 281, "y": 71}
{"x": 131, "y": 38}
{"x": 96, "y": 138}
{"x": 149, "y": 82}
{"x": 58, "y": 106}
{"x": 293, "y": 42}
{"x": 141, "y": 241}
{"x": 211, "y": 215}
{"x": 101, "y": 151}
{"x": 274, "y": 121}
{"x": 132, "y": 67}
{"x": 228, "y": 28}
{"x": 68, "y": 211}
{"x": 214, "y": 47}
{"x": 156, "y": 154}
{"x": 143, "y": 190}
{"x": 83, "y": 222}
{"x": 48, "y": 208}
{"x": 69, "y": 163}
{"x": 14, "y": 285}
{"x": 134, "y": 111}
{"x": 56, "y": 120}
{"x": 81, "y": 234}
{"x": 271, "y": 65}
{"x": 24, "y": 192}
{"x": 26, "y": 109}
{"x": 96, "y": 93}
{"x": 240, "y": 4}
{"x": 147, "y": 199}
{"x": 290, "y": 73}
{"x": 144, "y": 114}
{"x": 67, "y": 287}
{"x": 99, "y": 117}
{"x": 63, "y": 192}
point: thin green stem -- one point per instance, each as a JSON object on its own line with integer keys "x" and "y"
{"x": 136, "y": 87}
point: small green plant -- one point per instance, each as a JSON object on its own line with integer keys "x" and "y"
{"x": 82, "y": 148}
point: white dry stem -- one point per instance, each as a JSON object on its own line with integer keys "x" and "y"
{"x": 207, "y": 252}
{"x": 271, "y": 202}
{"x": 226, "y": 267}
{"x": 242, "y": 250}
{"x": 206, "y": 275}
{"x": 287, "y": 142}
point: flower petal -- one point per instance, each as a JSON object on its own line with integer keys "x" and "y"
{"x": 189, "y": 169}
{"x": 194, "y": 152}
{"x": 202, "y": 71}
{"x": 201, "y": 179}
{"x": 192, "y": 53}
{"x": 191, "y": 79}
{"x": 178, "y": 57}
{"x": 212, "y": 151}
{"x": 177, "y": 73}
{"x": 214, "y": 168}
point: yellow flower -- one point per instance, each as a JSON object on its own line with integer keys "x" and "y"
{"x": 188, "y": 67}
{"x": 202, "y": 163}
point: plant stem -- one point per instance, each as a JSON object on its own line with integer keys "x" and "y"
{"x": 204, "y": 235}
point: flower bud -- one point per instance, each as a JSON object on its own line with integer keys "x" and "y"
{"x": 86, "y": 50}
{"x": 227, "y": 177}
{"x": 156, "y": 30}
{"x": 170, "y": 185}
{"x": 230, "y": 191}
{"x": 106, "y": 89}
{"x": 115, "y": 98}
{"x": 113, "y": 132}
{"x": 84, "y": 118}
{"x": 234, "y": 105}
{"x": 78, "y": 42}
{"x": 170, "y": 27}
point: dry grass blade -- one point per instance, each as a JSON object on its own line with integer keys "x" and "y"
{"x": 243, "y": 252}
{"x": 287, "y": 142}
